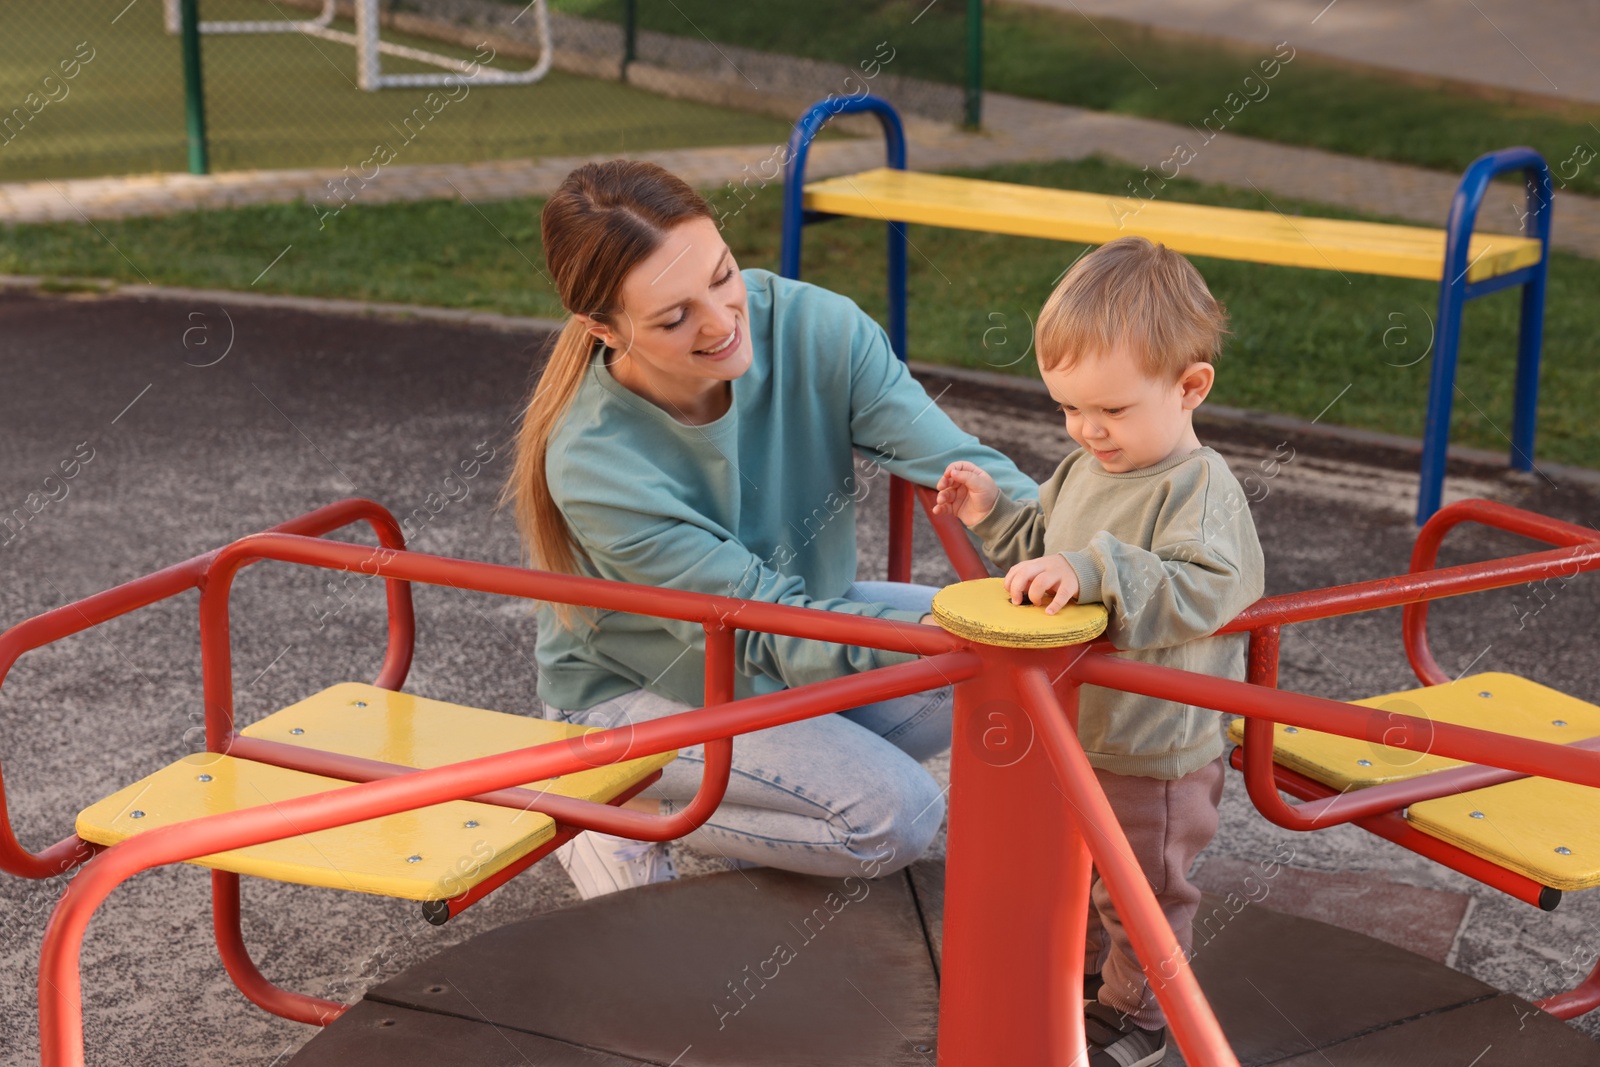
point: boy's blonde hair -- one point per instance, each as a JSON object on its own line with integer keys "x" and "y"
{"x": 1135, "y": 291}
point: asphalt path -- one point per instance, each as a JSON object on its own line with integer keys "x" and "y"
{"x": 185, "y": 425}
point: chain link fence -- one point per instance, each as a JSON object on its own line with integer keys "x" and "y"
{"x": 921, "y": 55}
{"x": 84, "y": 91}
{"x": 96, "y": 87}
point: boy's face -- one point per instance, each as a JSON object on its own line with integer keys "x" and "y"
{"x": 1126, "y": 420}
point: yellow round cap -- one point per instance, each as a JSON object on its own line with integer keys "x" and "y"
{"x": 981, "y": 611}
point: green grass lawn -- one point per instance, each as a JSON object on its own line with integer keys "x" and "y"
{"x": 1300, "y": 337}
{"x": 287, "y": 100}
{"x": 1121, "y": 67}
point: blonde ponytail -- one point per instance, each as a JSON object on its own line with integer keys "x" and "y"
{"x": 549, "y": 542}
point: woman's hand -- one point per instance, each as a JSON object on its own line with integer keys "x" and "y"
{"x": 1035, "y": 580}
{"x": 966, "y": 492}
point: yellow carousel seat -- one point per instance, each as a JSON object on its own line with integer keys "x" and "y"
{"x": 429, "y": 854}
{"x": 1547, "y": 830}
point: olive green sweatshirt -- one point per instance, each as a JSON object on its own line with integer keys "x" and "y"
{"x": 1172, "y": 553}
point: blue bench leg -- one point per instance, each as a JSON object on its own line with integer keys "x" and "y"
{"x": 1530, "y": 338}
{"x": 1441, "y": 397}
{"x": 1455, "y": 291}
{"x": 795, "y": 217}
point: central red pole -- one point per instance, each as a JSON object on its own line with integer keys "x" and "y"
{"x": 1016, "y": 880}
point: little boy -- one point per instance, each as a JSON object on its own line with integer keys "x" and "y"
{"x": 1144, "y": 519}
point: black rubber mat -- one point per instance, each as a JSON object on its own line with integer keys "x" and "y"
{"x": 748, "y": 967}
{"x": 764, "y": 967}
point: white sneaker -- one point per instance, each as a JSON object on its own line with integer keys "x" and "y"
{"x": 601, "y": 863}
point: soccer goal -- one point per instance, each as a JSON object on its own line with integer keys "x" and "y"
{"x": 370, "y": 48}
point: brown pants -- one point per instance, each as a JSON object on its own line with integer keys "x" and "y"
{"x": 1167, "y": 824}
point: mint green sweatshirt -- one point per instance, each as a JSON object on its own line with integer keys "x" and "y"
{"x": 759, "y": 503}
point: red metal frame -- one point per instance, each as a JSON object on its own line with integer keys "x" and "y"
{"x": 1579, "y": 1000}
{"x": 1379, "y": 809}
{"x": 1392, "y": 826}
{"x": 1414, "y": 620}
{"x": 902, "y": 513}
{"x": 1002, "y": 1000}
{"x": 953, "y": 538}
{"x": 439, "y": 912}
{"x": 966, "y": 560}
{"x": 179, "y": 578}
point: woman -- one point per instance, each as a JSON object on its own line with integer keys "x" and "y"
{"x": 694, "y": 428}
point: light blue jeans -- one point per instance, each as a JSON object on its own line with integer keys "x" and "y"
{"x": 835, "y": 795}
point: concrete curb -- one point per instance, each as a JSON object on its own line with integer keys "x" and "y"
{"x": 1215, "y": 413}
{"x": 313, "y": 304}
{"x": 1222, "y": 414}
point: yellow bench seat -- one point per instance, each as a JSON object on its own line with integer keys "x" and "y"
{"x": 432, "y": 853}
{"x": 1193, "y": 229}
{"x": 1544, "y": 829}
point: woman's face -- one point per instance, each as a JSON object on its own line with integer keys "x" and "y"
{"x": 685, "y": 315}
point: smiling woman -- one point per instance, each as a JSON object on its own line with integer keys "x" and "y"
{"x": 689, "y": 424}
{"x": 686, "y": 349}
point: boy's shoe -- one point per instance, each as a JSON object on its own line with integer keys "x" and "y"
{"x": 1091, "y": 987}
{"x": 600, "y": 863}
{"x": 1114, "y": 1040}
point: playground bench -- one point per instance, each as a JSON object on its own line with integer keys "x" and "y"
{"x": 1466, "y": 264}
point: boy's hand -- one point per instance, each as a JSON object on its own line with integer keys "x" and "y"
{"x": 1035, "y": 580}
{"x": 966, "y": 492}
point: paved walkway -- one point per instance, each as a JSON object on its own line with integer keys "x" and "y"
{"x": 1544, "y": 48}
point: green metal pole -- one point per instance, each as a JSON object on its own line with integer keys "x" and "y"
{"x": 630, "y": 33}
{"x": 194, "y": 94}
{"x": 974, "y": 63}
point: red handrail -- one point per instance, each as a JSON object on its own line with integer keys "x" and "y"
{"x": 1414, "y": 620}
{"x": 80, "y": 615}
{"x": 953, "y": 538}
{"x": 1194, "y": 1025}
{"x": 706, "y": 609}
{"x": 1413, "y": 588}
{"x": 1491, "y": 748}
{"x": 902, "y": 511}
{"x": 1412, "y": 591}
